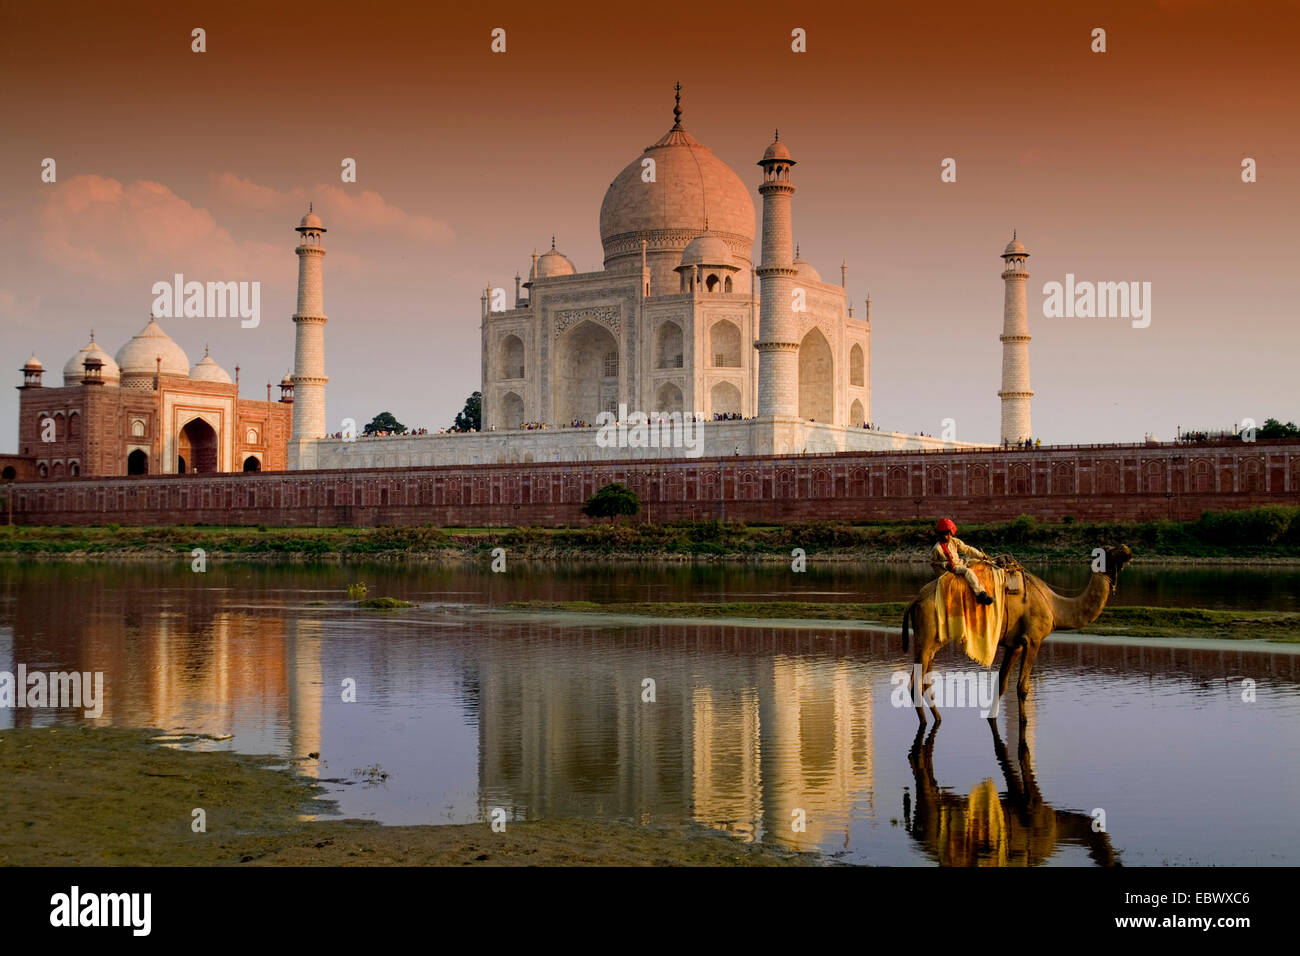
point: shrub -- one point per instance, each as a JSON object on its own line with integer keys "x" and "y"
{"x": 1271, "y": 524}
{"x": 388, "y": 538}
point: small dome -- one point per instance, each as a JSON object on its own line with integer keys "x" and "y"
{"x": 287, "y": 380}
{"x": 1015, "y": 247}
{"x": 209, "y": 371}
{"x": 75, "y": 369}
{"x": 806, "y": 270}
{"x": 33, "y": 364}
{"x": 706, "y": 250}
{"x": 554, "y": 263}
{"x": 311, "y": 221}
{"x": 137, "y": 359}
{"x": 776, "y": 151}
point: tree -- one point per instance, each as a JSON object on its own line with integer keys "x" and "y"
{"x": 611, "y": 501}
{"x": 471, "y": 416}
{"x": 384, "y": 422}
{"x": 1272, "y": 428}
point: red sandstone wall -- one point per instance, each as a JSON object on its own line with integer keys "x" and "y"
{"x": 273, "y": 421}
{"x": 1118, "y": 482}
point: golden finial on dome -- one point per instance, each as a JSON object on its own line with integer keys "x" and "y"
{"x": 677, "y": 106}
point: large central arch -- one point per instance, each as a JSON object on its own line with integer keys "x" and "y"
{"x": 512, "y": 411}
{"x": 816, "y": 378}
{"x": 586, "y": 374}
{"x": 196, "y": 448}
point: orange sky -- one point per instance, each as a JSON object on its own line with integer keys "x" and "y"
{"x": 1123, "y": 166}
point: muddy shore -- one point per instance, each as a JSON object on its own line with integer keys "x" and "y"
{"x": 78, "y": 796}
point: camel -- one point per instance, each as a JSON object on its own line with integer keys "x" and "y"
{"x": 1030, "y": 831}
{"x": 1031, "y": 615}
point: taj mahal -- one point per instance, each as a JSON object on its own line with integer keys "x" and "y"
{"x": 678, "y": 323}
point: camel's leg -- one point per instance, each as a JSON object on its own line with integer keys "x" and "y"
{"x": 1027, "y": 665}
{"x": 927, "y": 693}
{"x": 911, "y": 686}
{"x": 1009, "y": 655}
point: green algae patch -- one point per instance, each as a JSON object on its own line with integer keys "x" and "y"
{"x": 1277, "y": 626}
{"x": 78, "y": 796}
{"x": 890, "y": 612}
{"x": 384, "y": 603}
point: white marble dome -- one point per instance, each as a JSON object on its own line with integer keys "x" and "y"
{"x": 692, "y": 190}
{"x": 136, "y": 359}
{"x": 207, "y": 370}
{"x": 75, "y": 369}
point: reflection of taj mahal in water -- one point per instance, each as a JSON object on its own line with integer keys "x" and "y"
{"x": 739, "y": 753}
{"x": 553, "y": 739}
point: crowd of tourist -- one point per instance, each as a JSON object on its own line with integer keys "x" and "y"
{"x": 1028, "y": 444}
{"x": 390, "y": 433}
{"x": 1206, "y": 435}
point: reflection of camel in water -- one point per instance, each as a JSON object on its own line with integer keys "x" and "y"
{"x": 1030, "y": 617}
{"x": 985, "y": 829}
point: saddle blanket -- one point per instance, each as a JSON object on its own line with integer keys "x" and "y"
{"x": 976, "y": 627}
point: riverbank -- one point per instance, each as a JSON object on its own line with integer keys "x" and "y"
{"x": 1273, "y": 626}
{"x": 77, "y": 796}
{"x": 1259, "y": 536}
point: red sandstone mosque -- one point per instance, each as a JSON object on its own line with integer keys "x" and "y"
{"x": 145, "y": 411}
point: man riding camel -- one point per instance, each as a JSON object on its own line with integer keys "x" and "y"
{"x": 947, "y": 556}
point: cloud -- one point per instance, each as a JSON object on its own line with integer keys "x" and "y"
{"x": 368, "y": 212}
{"x": 117, "y": 232}
{"x": 244, "y": 193}
{"x": 359, "y": 212}
{"x": 134, "y": 234}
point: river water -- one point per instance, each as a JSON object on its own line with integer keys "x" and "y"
{"x": 1185, "y": 751}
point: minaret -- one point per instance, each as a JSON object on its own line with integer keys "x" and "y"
{"x": 778, "y": 346}
{"x": 1015, "y": 392}
{"x": 309, "y": 346}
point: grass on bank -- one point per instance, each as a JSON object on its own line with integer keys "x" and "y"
{"x": 1279, "y": 626}
{"x": 1266, "y": 532}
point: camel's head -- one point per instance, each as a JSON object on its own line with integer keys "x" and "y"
{"x": 1116, "y": 557}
